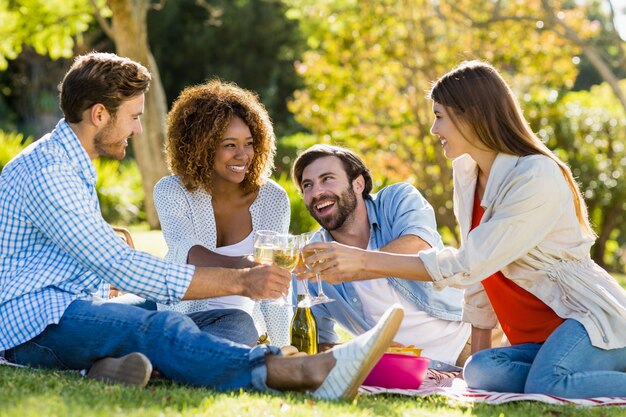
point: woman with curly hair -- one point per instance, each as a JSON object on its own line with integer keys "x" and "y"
{"x": 220, "y": 148}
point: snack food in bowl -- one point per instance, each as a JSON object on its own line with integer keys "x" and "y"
{"x": 398, "y": 370}
{"x": 406, "y": 350}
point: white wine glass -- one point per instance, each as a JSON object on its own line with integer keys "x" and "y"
{"x": 321, "y": 297}
{"x": 265, "y": 241}
{"x": 286, "y": 255}
{"x": 303, "y": 240}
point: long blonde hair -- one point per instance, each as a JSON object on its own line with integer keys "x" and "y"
{"x": 478, "y": 95}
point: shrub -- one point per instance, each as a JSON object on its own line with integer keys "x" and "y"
{"x": 119, "y": 191}
{"x": 301, "y": 220}
{"x": 118, "y": 186}
{"x": 10, "y": 145}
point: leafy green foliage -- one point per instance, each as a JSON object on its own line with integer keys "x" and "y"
{"x": 301, "y": 220}
{"x": 49, "y": 26}
{"x": 370, "y": 63}
{"x": 288, "y": 148}
{"x": 250, "y": 42}
{"x": 588, "y": 130}
{"x": 118, "y": 186}
{"x": 119, "y": 192}
{"x": 10, "y": 145}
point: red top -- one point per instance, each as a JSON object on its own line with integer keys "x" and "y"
{"x": 524, "y": 318}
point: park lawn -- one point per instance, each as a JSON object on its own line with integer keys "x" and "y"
{"x": 30, "y": 392}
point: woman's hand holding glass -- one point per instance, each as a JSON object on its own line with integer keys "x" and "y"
{"x": 282, "y": 250}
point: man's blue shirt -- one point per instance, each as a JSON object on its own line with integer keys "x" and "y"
{"x": 55, "y": 247}
{"x": 395, "y": 211}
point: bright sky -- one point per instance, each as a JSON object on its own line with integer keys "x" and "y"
{"x": 620, "y": 16}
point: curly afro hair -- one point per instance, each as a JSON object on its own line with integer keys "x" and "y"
{"x": 196, "y": 125}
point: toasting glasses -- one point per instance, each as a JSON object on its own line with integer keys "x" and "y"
{"x": 279, "y": 249}
{"x": 306, "y": 254}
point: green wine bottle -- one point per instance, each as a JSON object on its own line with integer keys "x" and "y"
{"x": 303, "y": 334}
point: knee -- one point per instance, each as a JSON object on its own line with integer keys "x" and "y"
{"x": 235, "y": 325}
{"x": 244, "y": 321}
{"x": 476, "y": 371}
{"x": 164, "y": 322}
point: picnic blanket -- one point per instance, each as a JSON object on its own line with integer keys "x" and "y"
{"x": 451, "y": 385}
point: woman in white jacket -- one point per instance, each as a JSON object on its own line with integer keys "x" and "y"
{"x": 524, "y": 258}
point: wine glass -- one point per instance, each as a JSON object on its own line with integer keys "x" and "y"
{"x": 286, "y": 255}
{"x": 265, "y": 241}
{"x": 303, "y": 240}
{"x": 280, "y": 249}
{"x": 306, "y": 254}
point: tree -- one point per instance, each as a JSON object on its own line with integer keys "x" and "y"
{"x": 249, "y": 42}
{"x": 128, "y": 29}
{"x": 370, "y": 63}
{"x": 579, "y": 23}
{"x": 49, "y": 26}
{"x": 591, "y": 137}
{"x": 586, "y": 128}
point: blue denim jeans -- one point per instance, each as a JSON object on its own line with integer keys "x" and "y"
{"x": 565, "y": 365}
{"x": 91, "y": 330}
{"x": 231, "y": 324}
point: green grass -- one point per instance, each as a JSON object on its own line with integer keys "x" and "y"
{"x": 30, "y": 392}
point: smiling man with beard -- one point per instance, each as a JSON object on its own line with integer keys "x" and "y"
{"x": 335, "y": 185}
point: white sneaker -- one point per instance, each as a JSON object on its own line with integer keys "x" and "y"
{"x": 356, "y": 358}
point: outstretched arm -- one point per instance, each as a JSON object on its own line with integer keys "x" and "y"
{"x": 262, "y": 281}
{"x": 408, "y": 244}
{"x": 335, "y": 262}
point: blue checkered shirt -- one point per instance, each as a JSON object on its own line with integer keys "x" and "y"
{"x": 56, "y": 248}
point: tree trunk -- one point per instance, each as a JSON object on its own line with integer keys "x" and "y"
{"x": 130, "y": 34}
{"x": 610, "y": 220}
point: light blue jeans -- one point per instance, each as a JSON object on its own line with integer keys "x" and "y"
{"x": 565, "y": 365}
{"x": 91, "y": 330}
{"x": 231, "y": 324}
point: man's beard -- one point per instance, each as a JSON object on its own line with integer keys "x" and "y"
{"x": 103, "y": 145}
{"x": 346, "y": 205}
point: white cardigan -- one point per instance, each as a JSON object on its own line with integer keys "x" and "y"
{"x": 531, "y": 233}
{"x": 187, "y": 219}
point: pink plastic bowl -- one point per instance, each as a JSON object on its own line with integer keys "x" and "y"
{"x": 395, "y": 370}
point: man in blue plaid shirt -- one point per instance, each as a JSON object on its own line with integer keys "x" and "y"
{"x": 58, "y": 256}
